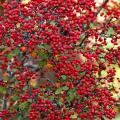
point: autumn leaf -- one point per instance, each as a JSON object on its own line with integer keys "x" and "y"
{"x": 33, "y": 82}
{"x": 6, "y": 50}
{"x": 49, "y": 66}
{"x": 57, "y": 57}
{"x": 33, "y": 54}
{"x": 116, "y": 109}
{"x": 57, "y": 84}
{"x": 5, "y": 76}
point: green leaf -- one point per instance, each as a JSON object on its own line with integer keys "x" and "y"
{"x": 59, "y": 102}
{"x": 70, "y": 98}
{"x": 42, "y": 63}
{"x": 72, "y": 91}
{"x": 103, "y": 73}
{"x": 5, "y": 78}
{"x": 110, "y": 31}
{"x": 53, "y": 22}
{"x": 14, "y": 79}
{"x": 13, "y": 53}
{"x": 14, "y": 98}
{"x": 3, "y": 90}
{"x": 63, "y": 77}
{"x": 43, "y": 54}
{"x": 93, "y": 25}
{"x": 71, "y": 95}
{"x": 1, "y": 7}
{"x": 74, "y": 116}
{"x": 109, "y": 45}
{"x": 82, "y": 36}
{"x": 2, "y": 47}
{"x": 77, "y": 96}
{"x": 65, "y": 87}
{"x": 51, "y": 97}
{"x": 24, "y": 105}
{"x": 19, "y": 117}
{"x": 44, "y": 45}
{"x": 79, "y": 119}
{"x": 38, "y": 14}
{"x": 59, "y": 90}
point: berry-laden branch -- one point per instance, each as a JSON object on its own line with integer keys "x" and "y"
{"x": 48, "y": 77}
{"x": 88, "y": 27}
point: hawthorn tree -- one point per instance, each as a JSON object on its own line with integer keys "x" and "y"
{"x": 52, "y": 56}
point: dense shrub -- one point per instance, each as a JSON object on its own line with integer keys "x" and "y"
{"x": 52, "y": 56}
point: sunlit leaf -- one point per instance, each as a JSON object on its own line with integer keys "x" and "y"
{"x": 65, "y": 87}
{"x": 59, "y": 90}
{"x": 74, "y": 116}
{"x": 33, "y": 82}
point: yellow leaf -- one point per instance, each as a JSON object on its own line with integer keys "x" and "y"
{"x": 5, "y": 76}
{"x": 33, "y": 82}
{"x": 33, "y": 54}
{"x": 57, "y": 57}
{"x": 62, "y": 99}
{"x": 58, "y": 84}
{"x": 49, "y": 66}
{"x": 116, "y": 109}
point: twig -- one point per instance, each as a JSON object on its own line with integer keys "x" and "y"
{"x": 106, "y": 25}
{"x": 5, "y": 102}
{"x": 83, "y": 40}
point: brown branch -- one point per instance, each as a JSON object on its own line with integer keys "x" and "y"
{"x": 106, "y": 25}
{"x": 83, "y": 40}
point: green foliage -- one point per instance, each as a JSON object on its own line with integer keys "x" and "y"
{"x": 24, "y": 105}
{"x": 53, "y": 22}
{"x": 74, "y": 116}
{"x": 93, "y": 25}
{"x": 42, "y": 63}
{"x": 13, "y": 53}
{"x": 64, "y": 77}
{"x": 59, "y": 102}
{"x": 63, "y": 88}
{"x": 110, "y": 31}
{"x": 1, "y": 7}
{"x": 43, "y": 54}
{"x": 3, "y": 90}
{"x": 71, "y": 95}
{"x": 14, "y": 98}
